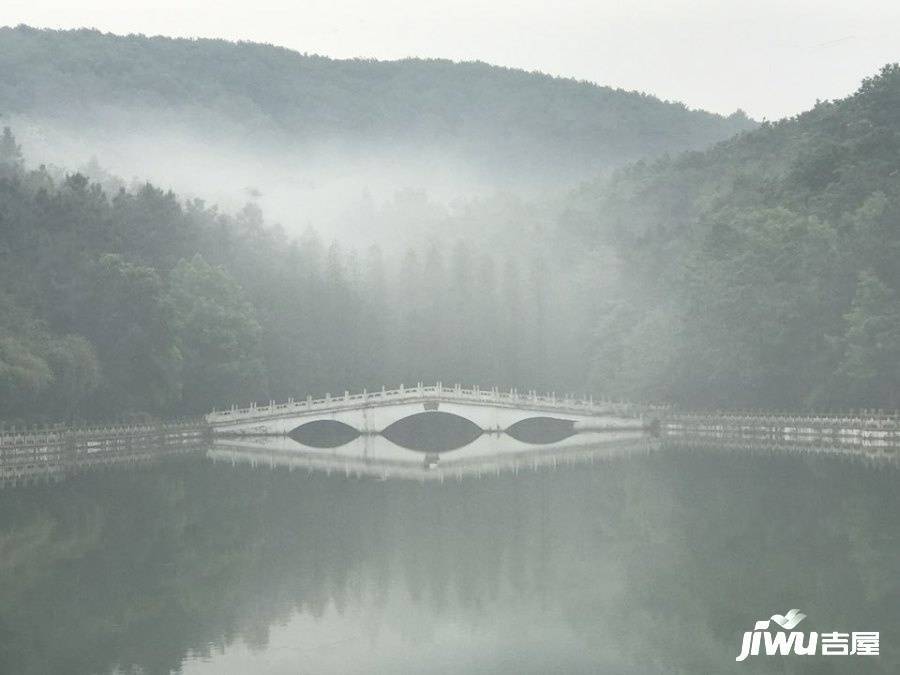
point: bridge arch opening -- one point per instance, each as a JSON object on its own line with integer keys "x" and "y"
{"x": 432, "y": 431}
{"x": 539, "y": 430}
{"x": 324, "y": 434}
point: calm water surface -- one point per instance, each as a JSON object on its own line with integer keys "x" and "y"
{"x": 647, "y": 563}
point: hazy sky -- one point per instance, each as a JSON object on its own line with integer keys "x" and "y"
{"x": 771, "y": 58}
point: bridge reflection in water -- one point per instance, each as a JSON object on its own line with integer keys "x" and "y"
{"x": 379, "y": 457}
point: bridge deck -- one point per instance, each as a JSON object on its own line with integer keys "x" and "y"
{"x": 513, "y": 399}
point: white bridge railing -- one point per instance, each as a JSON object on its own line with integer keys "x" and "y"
{"x": 436, "y": 392}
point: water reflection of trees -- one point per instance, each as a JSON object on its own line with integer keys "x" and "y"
{"x": 661, "y": 560}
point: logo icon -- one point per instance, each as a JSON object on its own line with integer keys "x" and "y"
{"x": 791, "y": 618}
{"x": 782, "y": 643}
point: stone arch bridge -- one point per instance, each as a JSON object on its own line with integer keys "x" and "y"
{"x": 491, "y": 410}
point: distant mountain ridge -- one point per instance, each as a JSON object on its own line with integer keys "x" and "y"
{"x": 503, "y": 116}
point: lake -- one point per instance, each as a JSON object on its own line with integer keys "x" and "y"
{"x": 643, "y": 558}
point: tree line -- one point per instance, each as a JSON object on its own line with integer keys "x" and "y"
{"x": 761, "y": 272}
{"x": 138, "y": 303}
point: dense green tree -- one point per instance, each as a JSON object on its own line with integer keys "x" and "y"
{"x": 76, "y": 374}
{"x": 218, "y": 337}
{"x": 23, "y": 374}
{"x": 11, "y": 160}
{"x": 871, "y": 363}
{"x": 131, "y": 322}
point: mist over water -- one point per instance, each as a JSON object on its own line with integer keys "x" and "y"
{"x": 638, "y": 564}
{"x": 346, "y": 190}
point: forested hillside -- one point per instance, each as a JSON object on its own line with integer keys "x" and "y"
{"x": 137, "y": 302}
{"x": 763, "y": 272}
{"x": 759, "y": 272}
{"x": 506, "y": 119}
